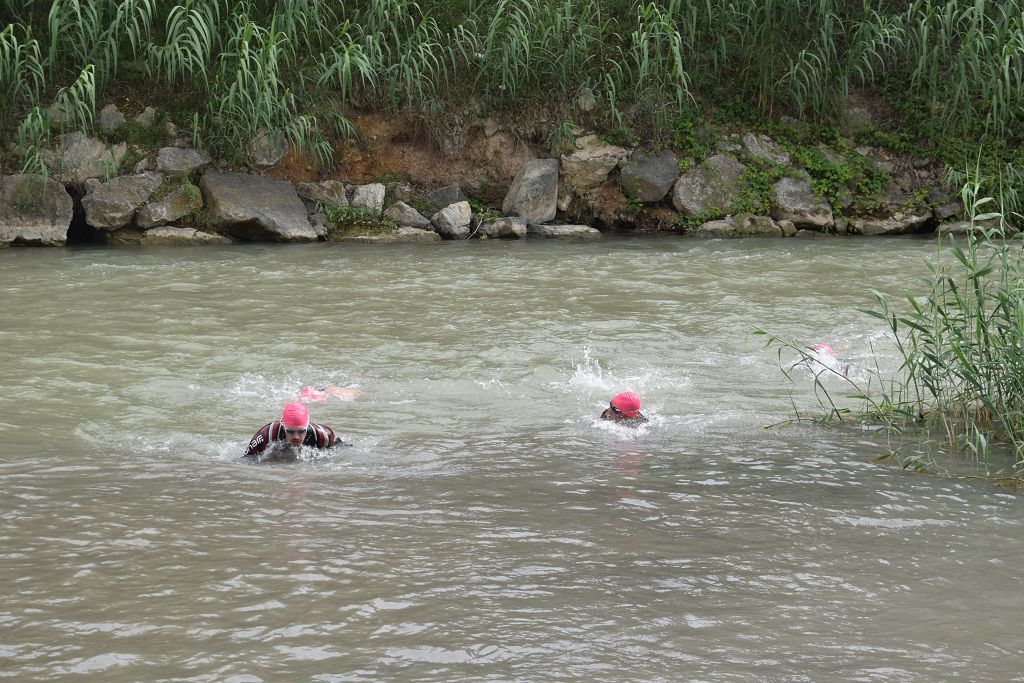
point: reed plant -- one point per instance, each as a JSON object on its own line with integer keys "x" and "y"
{"x": 959, "y": 336}
{"x": 957, "y": 65}
{"x": 22, "y": 77}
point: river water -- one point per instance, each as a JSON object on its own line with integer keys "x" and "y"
{"x": 485, "y": 525}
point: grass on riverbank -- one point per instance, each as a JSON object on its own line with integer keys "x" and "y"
{"x": 960, "y": 338}
{"x": 641, "y": 71}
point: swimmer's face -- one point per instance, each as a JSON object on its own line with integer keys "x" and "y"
{"x": 295, "y": 435}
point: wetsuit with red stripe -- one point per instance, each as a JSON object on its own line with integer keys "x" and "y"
{"x": 266, "y": 443}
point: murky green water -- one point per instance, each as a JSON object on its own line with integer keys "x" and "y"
{"x": 485, "y": 526}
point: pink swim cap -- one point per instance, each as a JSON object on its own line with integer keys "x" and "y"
{"x": 627, "y": 403}
{"x": 824, "y": 348}
{"x": 295, "y": 415}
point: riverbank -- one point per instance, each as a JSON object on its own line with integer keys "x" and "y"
{"x": 719, "y": 120}
{"x": 103, "y": 189}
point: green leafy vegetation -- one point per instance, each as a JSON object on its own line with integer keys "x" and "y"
{"x": 960, "y": 338}
{"x": 352, "y": 221}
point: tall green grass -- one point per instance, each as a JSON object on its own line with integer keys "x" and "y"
{"x": 959, "y": 64}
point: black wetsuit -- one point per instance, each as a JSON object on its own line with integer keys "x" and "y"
{"x": 634, "y": 421}
{"x": 267, "y": 443}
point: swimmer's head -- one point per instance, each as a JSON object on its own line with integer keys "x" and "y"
{"x": 627, "y": 403}
{"x": 295, "y": 421}
{"x": 823, "y": 348}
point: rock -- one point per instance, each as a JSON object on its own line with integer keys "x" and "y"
{"x": 648, "y": 177}
{"x": 410, "y": 234}
{"x": 400, "y": 235}
{"x": 708, "y": 187}
{"x": 562, "y": 232}
{"x": 795, "y": 201}
{"x": 113, "y": 204}
{"x": 586, "y": 100}
{"x": 534, "y": 191}
{"x": 34, "y": 210}
{"x": 110, "y": 118}
{"x": 369, "y": 197}
{"x": 728, "y": 146}
{"x": 591, "y": 163}
{"x": 401, "y": 191}
{"x": 255, "y": 208}
{"x": 404, "y": 215}
{"x": 171, "y": 208}
{"x": 787, "y": 228}
{"x": 324, "y": 192}
{"x": 147, "y": 118}
{"x": 181, "y": 236}
{"x": 739, "y": 226}
{"x": 453, "y": 221}
{"x": 508, "y": 227}
{"x": 948, "y": 211}
{"x": 79, "y": 157}
{"x": 763, "y": 147}
{"x": 179, "y": 161}
{"x": 268, "y": 148}
{"x": 405, "y": 234}
{"x": 898, "y": 224}
{"x": 445, "y": 196}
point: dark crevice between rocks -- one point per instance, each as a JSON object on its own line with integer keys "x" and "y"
{"x": 79, "y": 231}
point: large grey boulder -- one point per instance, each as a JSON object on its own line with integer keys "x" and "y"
{"x": 590, "y": 164}
{"x": 179, "y": 161}
{"x": 739, "y": 226}
{"x": 171, "y": 208}
{"x": 34, "y": 210}
{"x": 114, "y": 203}
{"x": 648, "y": 177}
{"x": 79, "y": 157}
{"x": 899, "y": 223}
{"x": 254, "y": 208}
{"x": 507, "y": 227}
{"x": 453, "y": 221}
{"x": 369, "y": 197}
{"x": 534, "y": 191}
{"x": 445, "y": 196}
{"x": 563, "y": 232}
{"x": 404, "y": 215}
{"x": 762, "y": 147}
{"x": 167, "y": 236}
{"x": 711, "y": 186}
{"x": 794, "y": 200}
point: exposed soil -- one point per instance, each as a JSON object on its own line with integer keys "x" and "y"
{"x": 483, "y": 165}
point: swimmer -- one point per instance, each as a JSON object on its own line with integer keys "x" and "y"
{"x": 321, "y": 393}
{"x": 280, "y": 440}
{"x": 823, "y": 358}
{"x": 625, "y": 407}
